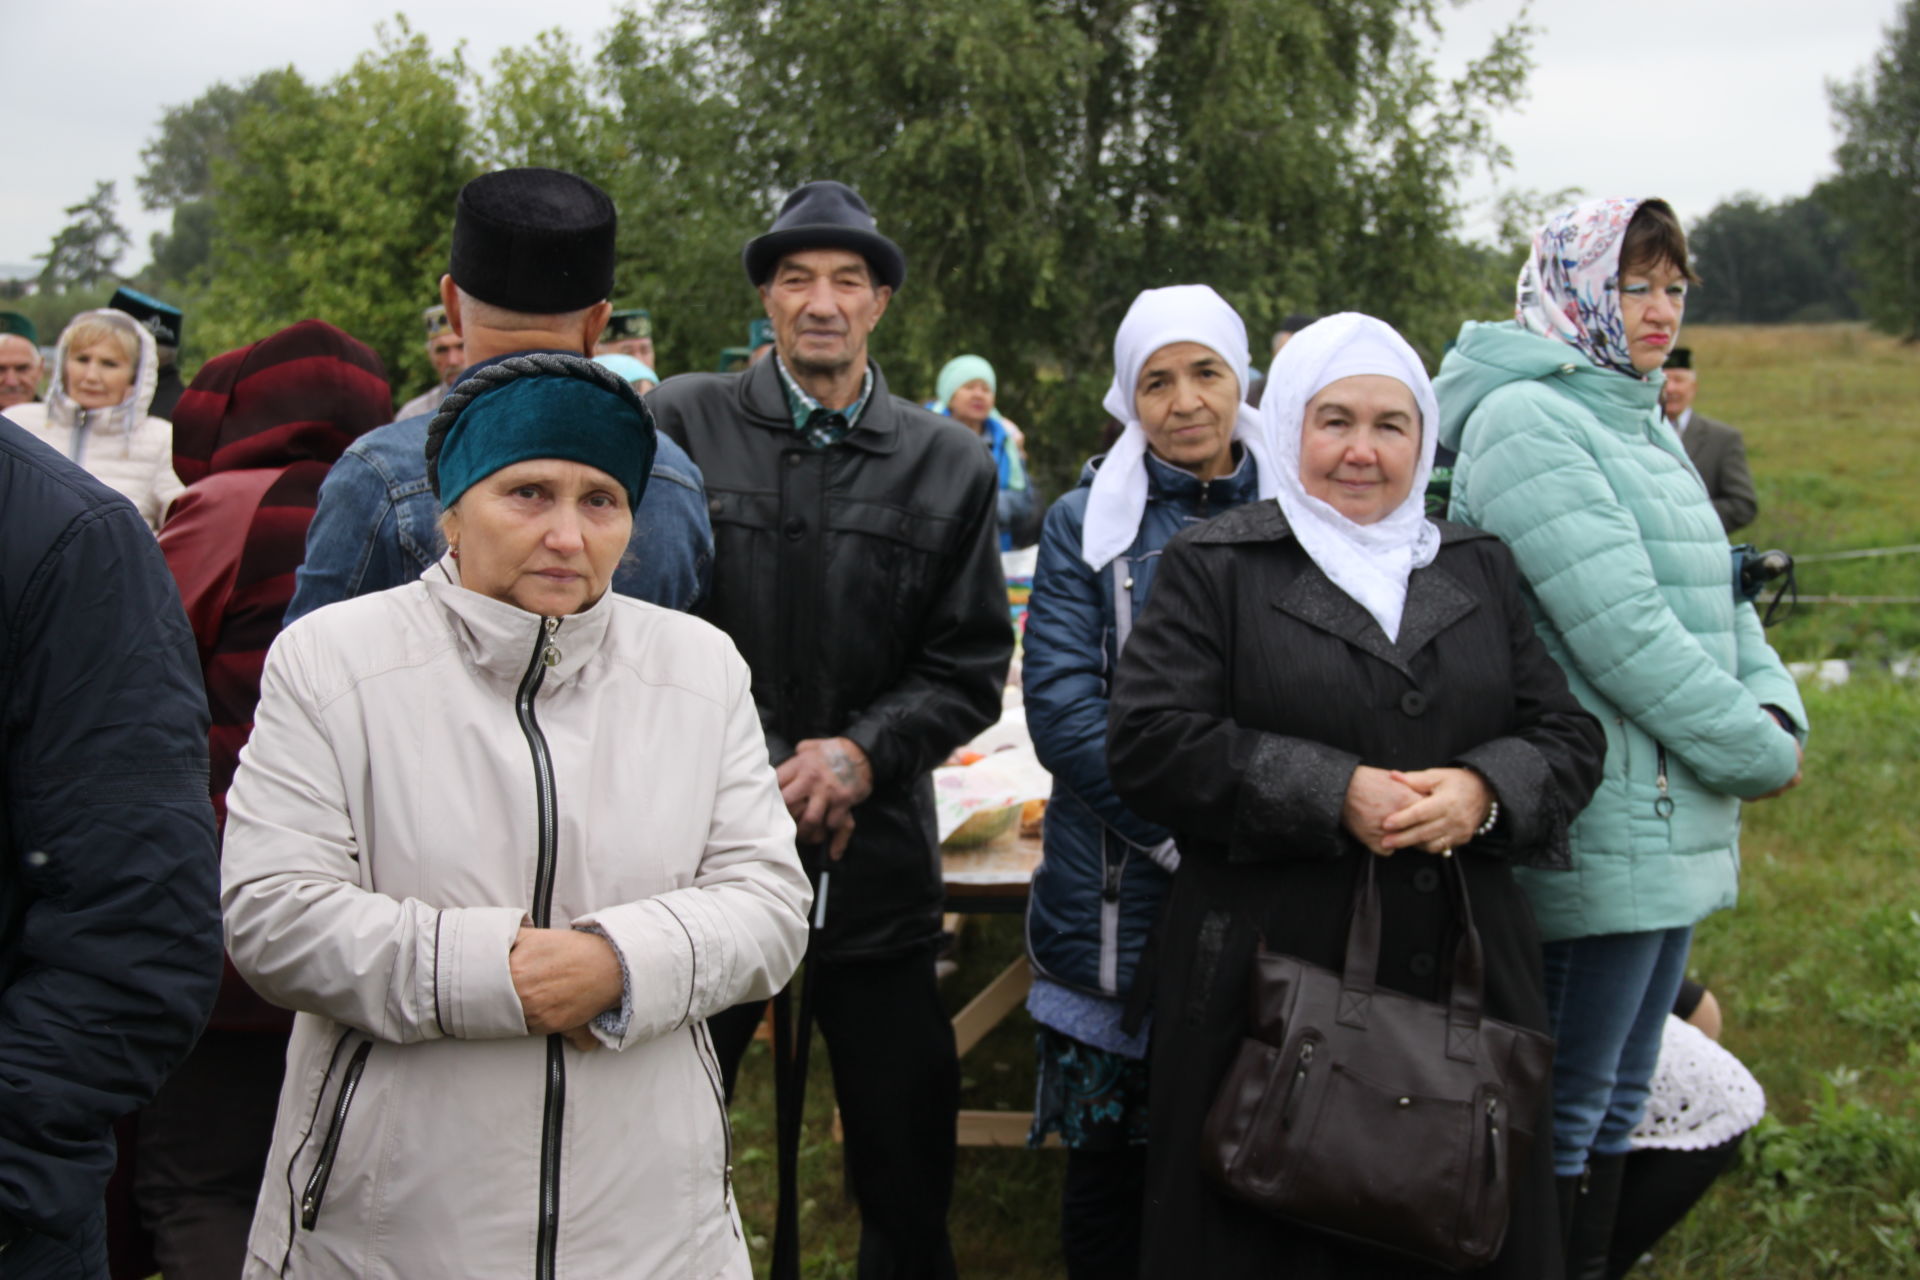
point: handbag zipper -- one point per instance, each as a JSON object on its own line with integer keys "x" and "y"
{"x": 545, "y": 654}
{"x": 1298, "y": 1088}
{"x": 316, "y": 1189}
{"x": 1496, "y": 1149}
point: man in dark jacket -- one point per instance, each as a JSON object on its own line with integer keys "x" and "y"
{"x": 1716, "y": 450}
{"x": 109, "y": 895}
{"x": 856, "y": 566}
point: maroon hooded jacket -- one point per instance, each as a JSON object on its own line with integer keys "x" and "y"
{"x": 253, "y": 437}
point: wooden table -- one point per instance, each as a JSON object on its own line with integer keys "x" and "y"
{"x": 992, "y": 880}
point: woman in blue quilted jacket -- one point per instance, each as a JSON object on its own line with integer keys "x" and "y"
{"x": 1188, "y": 452}
{"x": 1563, "y": 453}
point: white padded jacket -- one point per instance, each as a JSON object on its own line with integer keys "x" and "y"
{"x": 429, "y": 769}
{"x": 121, "y": 446}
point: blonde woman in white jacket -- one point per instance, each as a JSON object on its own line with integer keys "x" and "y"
{"x": 504, "y": 839}
{"x": 96, "y": 410}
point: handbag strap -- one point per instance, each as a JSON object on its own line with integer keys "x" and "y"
{"x": 1466, "y": 1000}
{"x": 1359, "y": 974}
{"x": 1466, "y": 997}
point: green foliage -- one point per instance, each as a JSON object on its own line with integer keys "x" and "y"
{"x": 1763, "y": 263}
{"x": 178, "y": 174}
{"x": 1878, "y": 188}
{"x": 179, "y": 160}
{"x": 335, "y": 202}
{"x": 86, "y": 250}
{"x": 1042, "y": 163}
{"x": 182, "y": 258}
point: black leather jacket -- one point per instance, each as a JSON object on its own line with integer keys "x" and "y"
{"x": 862, "y": 583}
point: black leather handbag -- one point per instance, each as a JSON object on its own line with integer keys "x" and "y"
{"x": 1381, "y": 1118}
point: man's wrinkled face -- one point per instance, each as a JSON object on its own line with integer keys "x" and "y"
{"x": 19, "y": 370}
{"x": 449, "y": 356}
{"x": 823, "y": 304}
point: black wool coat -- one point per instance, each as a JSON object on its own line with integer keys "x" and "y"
{"x": 1250, "y": 690}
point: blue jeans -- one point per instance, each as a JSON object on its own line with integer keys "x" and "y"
{"x": 1608, "y": 997}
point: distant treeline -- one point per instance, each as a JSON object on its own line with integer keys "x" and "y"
{"x": 1763, "y": 263}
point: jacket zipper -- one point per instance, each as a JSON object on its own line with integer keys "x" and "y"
{"x": 1663, "y": 805}
{"x": 319, "y": 1101}
{"x": 545, "y": 654}
{"x": 1111, "y": 875}
{"x": 79, "y": 445}
{"x": 710, "y": 1064}
{"x": 316, "y": 1189}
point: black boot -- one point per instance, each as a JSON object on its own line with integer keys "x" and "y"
{"x": 1590, "y": 1226}
{"x": 1568, "y": 1189}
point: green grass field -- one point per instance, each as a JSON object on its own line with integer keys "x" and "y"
{"x": 1818, "y": 969}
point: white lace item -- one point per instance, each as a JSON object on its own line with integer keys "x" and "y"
{"x": 1701, "y": 1094}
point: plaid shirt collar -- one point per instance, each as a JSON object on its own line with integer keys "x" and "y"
{"x": 816, "y": 424}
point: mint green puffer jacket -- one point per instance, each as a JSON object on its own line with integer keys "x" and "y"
{"x": 1631, "y": 585}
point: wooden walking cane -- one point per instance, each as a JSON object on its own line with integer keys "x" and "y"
{"x": 792, "y": 1038}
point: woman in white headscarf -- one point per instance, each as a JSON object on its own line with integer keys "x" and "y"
{"x": 1318, "y": 680}
{"x": 1191, "y": 450}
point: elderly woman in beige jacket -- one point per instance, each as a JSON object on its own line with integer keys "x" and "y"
{"x": 95, "y": 412}
{"x": 505, "y": 839}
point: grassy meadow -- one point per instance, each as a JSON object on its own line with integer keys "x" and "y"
{"x": 1818, "y": 970}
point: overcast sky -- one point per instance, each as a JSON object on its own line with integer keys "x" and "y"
{"x": 1691, "y": 99}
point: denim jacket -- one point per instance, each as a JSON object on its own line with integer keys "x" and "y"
{"x": 378, "y": 525}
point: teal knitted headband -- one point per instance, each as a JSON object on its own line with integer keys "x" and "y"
{"x": 959, "y": 372}
{"x": 540, "y": 406}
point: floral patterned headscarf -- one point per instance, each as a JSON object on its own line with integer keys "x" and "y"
{"x": 1570, "y": 286}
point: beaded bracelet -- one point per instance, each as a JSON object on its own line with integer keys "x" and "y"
{"x": 1493, "y": 816}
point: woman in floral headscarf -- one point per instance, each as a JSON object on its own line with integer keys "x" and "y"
{"x": 1564, "y": 453}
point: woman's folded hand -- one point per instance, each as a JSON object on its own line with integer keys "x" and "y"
{"x": 1373, "y": 795}
{"x": 1448, "y": 808}
{"x": 565, "y": 978}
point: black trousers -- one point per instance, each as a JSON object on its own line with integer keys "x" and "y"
{"x": 1656, "y": 1191}
{"x": 203, "y": 1150}
{"x": 1101, "y": 1203}
{"x": 896, "y": 1078}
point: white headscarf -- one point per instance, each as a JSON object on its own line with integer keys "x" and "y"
{"x": 1159, "y": 318}
{"x": 1370, "y": 562}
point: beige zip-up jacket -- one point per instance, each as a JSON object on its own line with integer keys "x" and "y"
{"x": 429, "y": 769}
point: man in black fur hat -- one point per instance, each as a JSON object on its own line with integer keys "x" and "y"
{"x": 857, "y": 569}
{"x": 531, "y": 268}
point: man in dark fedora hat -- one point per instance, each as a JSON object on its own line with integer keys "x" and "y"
{"x": 531, "y": 267}
{"x": 856, "y": 567}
